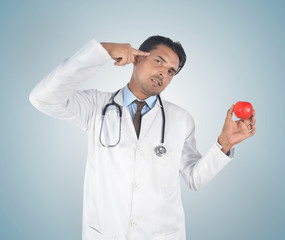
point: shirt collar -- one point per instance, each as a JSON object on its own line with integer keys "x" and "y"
{"x": 129, "y": 97}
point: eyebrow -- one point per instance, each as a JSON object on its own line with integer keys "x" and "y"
{"x": 172, "y": 68}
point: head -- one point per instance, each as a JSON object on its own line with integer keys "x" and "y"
{"x": 153, "y": 73}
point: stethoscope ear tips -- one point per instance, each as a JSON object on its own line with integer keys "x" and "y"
{"x": 160, "y": 151}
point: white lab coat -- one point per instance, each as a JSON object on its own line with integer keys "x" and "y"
{"x": 129, "y": 192}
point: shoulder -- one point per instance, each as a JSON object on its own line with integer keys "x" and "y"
{"x": 180, "y": 118}
{"x": 103, "y": 94}
{"x": 177, "y": 112}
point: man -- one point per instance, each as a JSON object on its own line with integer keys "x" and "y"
{"x": 130, "y": 190}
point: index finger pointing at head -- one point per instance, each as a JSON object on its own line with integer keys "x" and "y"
{"x": 139, "y": 52}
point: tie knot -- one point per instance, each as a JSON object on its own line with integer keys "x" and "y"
{"x": 140, "y": 104}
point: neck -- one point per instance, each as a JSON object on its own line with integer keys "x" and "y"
{"x": 140, "y": 95}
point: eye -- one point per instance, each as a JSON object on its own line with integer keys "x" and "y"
{"x": 170, "y": 72}
{"x": 157, "y": 60}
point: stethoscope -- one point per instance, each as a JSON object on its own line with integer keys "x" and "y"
{"x": 160, "y": 150}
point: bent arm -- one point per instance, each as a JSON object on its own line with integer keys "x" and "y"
{"x": 198, "y": 170}
{"x": 56, "y": 96}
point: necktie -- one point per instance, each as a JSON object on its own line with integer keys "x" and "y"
{"x": 138, "y": 116}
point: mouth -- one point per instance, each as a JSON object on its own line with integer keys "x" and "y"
{"x": 157, "y": 82}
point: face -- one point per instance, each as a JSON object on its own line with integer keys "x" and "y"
{"x": 153, "y": 73}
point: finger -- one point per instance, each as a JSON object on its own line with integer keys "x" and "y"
{"x": 117, "y": 60}
{"x": 253, "y": 120}
{"x": 128, "y": 59}
{"x": 124, "y": 61}
{"x": 246, "y": 122}
{"x": 120, "y": 62}
{"x": 250, "y": 120}
{"x": 141, "y": 53}
{"x": 230, "y": 112}
{"x": 251, "y": 133}
{"x": 253, "y": 130}
{"x": 244, "y": 127}
{"x": 132, "y": 59}
{"x": 250, "y": 126}
{"x": 252, "y": 115}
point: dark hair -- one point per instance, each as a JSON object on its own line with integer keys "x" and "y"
{"x": 153, "y": 41}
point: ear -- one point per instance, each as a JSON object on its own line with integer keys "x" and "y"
{"x": 137, "y": 60}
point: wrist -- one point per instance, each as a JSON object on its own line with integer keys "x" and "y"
{"x": 106, "y": 46}
{"x": 226, "y": 146}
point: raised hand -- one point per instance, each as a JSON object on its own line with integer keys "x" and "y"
{"x": 123, "y": 53}
{"x": 236, "y": 131}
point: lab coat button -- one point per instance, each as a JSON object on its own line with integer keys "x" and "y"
{"x": 135, "y": 186}
{"x": 133, "y": 223}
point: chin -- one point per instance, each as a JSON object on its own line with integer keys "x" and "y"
{"x": 151, "y": 91}
{"x": 154, "y": 93}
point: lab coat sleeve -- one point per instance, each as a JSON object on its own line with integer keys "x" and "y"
{"x": 55, "y": 95}
{"x": 198, "y": 170}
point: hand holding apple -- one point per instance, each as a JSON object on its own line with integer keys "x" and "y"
{"x": 236, "y": 131}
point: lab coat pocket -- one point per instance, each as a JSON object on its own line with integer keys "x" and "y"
{"x": 91, "y": 228}
{"x": 167, "y": 236}
{"x": 94, "y": 233}
{"x": 166, "y": 169}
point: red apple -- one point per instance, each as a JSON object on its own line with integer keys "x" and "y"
{"x": 243, "y": 110}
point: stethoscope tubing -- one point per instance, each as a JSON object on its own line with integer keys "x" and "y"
{"x": 159, "y": 150}
{"x": 163, "y": 119}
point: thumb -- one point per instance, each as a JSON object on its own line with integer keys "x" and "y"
{"x": 230, "y": 112}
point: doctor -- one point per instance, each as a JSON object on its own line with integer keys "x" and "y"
{"x": 130, "y": 191}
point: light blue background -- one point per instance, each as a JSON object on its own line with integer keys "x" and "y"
{"x": 235, "y": 52}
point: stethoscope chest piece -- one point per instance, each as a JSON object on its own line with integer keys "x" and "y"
{"x": 160, "y": 151}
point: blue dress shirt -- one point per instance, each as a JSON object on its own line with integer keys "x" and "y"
{"x": 129, "y": 98}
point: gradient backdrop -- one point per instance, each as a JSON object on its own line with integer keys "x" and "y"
{"x": 235, "y": 52}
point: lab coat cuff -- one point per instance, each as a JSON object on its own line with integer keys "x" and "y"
{"x": 105, "y": 55}
{"x": 90, "y": 55}
{"x": 230, "y": 154}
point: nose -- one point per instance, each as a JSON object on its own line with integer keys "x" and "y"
{"x": 162, "y": 73}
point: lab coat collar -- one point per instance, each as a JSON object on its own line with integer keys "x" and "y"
{"x": 119, "y": 98}
{"x": 147, "y": 119}
{"x": 129, "y": 97}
